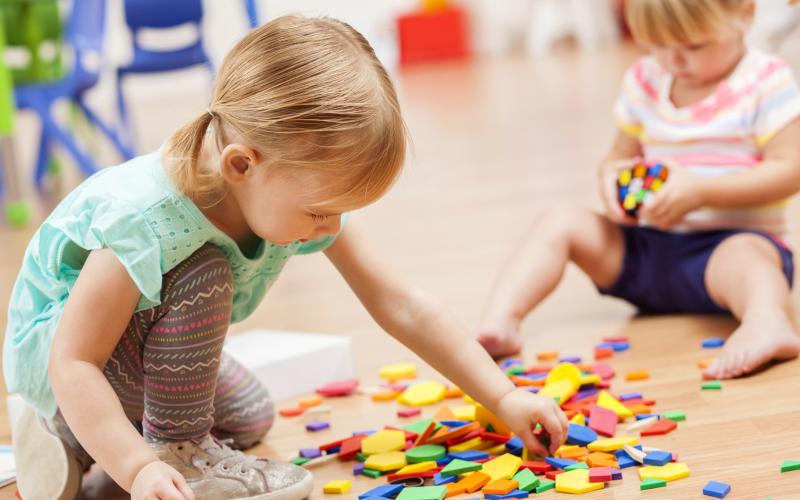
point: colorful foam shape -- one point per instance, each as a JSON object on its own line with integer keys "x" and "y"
{"x": 577, "y": 482}
{"x": 670, "y": 472}
{"x": 337, "y": 487}
{"x": 716, "y": 489}
{"x": 424, "y": 393}
{"x": 612, "y": 444}
{"x": 383, "y": 441}
{"x": 423, "y": 493}
{"x": 458, "y": 467}
{"x": 580, "y": 435}
{"x": 398, "y": 371}
{"x": 385, "y": 462}
{"x": 502, "y": 467}
{"x": 609, "y": 402}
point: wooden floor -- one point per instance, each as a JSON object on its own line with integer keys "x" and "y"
{"x": 493, "y": 141}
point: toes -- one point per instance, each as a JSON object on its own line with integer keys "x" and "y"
{"x": 710, "y": 373}
{"x": 738, "y": 366}
{"x": 728, "y": 360}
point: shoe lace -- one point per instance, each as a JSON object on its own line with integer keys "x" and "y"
{"x": 222, "y": 452}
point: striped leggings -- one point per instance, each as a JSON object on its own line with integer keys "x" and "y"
{"x": 168, "y": 368}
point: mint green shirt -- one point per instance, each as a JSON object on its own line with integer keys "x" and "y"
{"x": 137, "y": 212}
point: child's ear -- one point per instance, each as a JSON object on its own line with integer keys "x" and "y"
{"x": 237, "y": 160}
{"x": 749, "y": 10}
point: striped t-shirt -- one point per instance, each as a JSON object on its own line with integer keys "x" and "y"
{"x": 720, "y": 135}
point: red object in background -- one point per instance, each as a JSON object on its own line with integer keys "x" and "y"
{"x": 433, "y": 36}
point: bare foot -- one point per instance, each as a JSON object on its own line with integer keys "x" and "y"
{"x": 500, "y": 337}
{"x": 755, "y": 343}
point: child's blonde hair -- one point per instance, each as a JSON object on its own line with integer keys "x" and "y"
{"x": 679, "y": 22}
{"x": 306, "y": 93}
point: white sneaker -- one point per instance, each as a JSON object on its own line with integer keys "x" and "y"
{"x": 47, "y": 467}
{"x": 214, "y": 472}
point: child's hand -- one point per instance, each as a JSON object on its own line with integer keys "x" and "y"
{"x": 159, "y": 481}
{"x": 609, "y": 172}
{"x": 521, "y": 411}
{"x": 680, "y": 195}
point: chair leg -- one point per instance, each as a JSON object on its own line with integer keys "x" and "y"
{"x": 252, "y": 13}
{"x": 42, "y": 158}
{"x": 124, "y": 150}
{"x": 124, "y": 125}
{"x": 86, "y": 163}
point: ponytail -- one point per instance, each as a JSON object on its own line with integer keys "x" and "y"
{"x": 184, "y": 152}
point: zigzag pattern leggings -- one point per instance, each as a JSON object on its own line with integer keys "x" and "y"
{"x": 169, "y": 371}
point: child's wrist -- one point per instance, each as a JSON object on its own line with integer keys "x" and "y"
{"x": 135, "y": 466}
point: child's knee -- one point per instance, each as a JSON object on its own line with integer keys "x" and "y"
{"x": 252, "y": 428}
{"x": 560, "y": 221}
{"x": 207, "y": 267}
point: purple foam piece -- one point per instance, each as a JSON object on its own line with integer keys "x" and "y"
{"x": 357, "y": 468}
{"x": 508, "y": 363}
{"x": 533, "y": 390}
{"x": 310, "y": 452}
{"x": 585, "y": 394}
{"x": 570, "y": 359}
{"x": 616, "y": 474}
{"x": 630, "y": 395}
{"x": 317, "y": 426}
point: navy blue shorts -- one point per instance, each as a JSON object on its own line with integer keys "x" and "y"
{"x": 665, "y": 272}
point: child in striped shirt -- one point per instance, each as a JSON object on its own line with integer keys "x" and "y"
{"x": 726, "y": 119}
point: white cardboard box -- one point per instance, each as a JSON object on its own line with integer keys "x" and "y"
{"x": 290, "y": 364}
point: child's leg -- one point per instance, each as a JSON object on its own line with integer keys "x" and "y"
{"x": 244, "y": 411}
{"x": 165, "y": 367}
{"x": 559, "y": 234}
{"x": 169, "y": 359}
{"x": 744, "y": 274}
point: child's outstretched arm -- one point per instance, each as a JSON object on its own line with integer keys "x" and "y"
{"x": 775, "y": 178}
{"x": 96, "y": 314}
{"x": 423, "y": 325}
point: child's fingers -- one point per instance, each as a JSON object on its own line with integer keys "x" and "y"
{"x": 533, "y": 444}
{"x": 562, "y": 419}
{"x": 183, "y": 488}
{"x": 552, "y": 425}
{"x": 170, "y": 492}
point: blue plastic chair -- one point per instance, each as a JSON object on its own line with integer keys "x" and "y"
{"x": 252, "y": 13}
{"x": 160, "y": 14}
{"x": 84, "y": 35}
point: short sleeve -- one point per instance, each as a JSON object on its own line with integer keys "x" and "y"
{"x": 636, "y": 90}
{"x": 778, "y": 102}
{"x": 124, "y": 230}
{"x": 322, "y": 243}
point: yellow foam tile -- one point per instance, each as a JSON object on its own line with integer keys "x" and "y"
{"x": 424, "y": 393}
{"x": 502, "y": 467}
{"x": 612, "y": 444}
{"x": 668, "y": 472}
{"x": 609, "y": 402}
{"x": 398, "y": 371}
{"x": 418, "y": 467}
{"x": 465, "y": 412}
{"x": 577, "y": 482}
{"x": 471, "y": 444}
{"x": 384, "y": 441}
{"x": 337, "y": 487}
{"x": 384, "y": 462}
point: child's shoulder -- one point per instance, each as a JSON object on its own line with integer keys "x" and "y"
{"x": 140, "y": 182}
{"x": 759, "y": 67}
{"x": 644, "y": 77}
